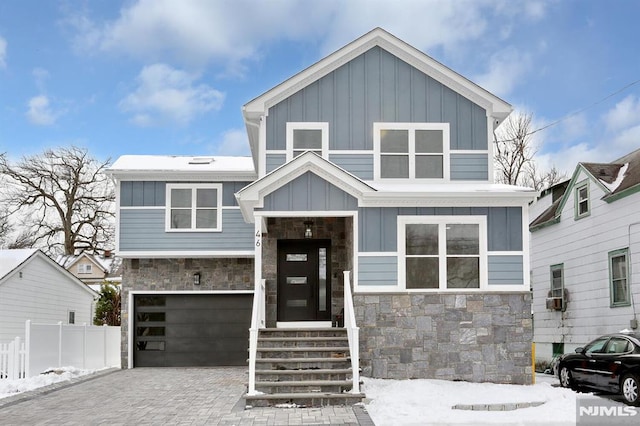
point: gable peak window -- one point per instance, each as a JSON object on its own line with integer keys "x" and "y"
{"x": 307, "y": 136}
{"x": 582, "y": 205}
{"x": 411, "y": 150}
{"x": 194, "y": 207}
{"x": 85, "y": 268}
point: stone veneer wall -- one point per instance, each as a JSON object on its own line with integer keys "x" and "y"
{"x": 324, "y": 228}
{"x": 473, "y": 337}
{"x": 177, "y": 274}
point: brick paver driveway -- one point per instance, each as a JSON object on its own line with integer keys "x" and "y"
{"x": 161, "y": 396}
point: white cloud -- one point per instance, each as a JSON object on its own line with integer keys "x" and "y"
{"x": 165, "y": 93}
{"x": 506, "y": 69}
{"x": 3, "y": 53}
{"x": 196, "y": 32}
{"x": 40, "y": 111}
{"x": 626, "y": 113}
{"x": 234, "y": 142}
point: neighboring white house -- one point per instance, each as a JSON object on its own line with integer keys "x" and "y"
{"x": 34, "y": 287}
{"x": 585, "y": 265}
{"x": 93, "y": 269}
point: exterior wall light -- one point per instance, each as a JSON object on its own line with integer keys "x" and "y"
{"x": 196, "y": 278}
{"x": 307, "y": 232}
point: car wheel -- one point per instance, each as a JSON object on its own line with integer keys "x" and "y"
{"x": 565, "y": 377}
{"x": 629, "y": 389}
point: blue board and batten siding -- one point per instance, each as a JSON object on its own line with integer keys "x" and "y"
{"x": 142, "y": 223}
{"x": 463, "y": 166}
{"x": 379, "y": 87}
{"x": 309, "y": 192}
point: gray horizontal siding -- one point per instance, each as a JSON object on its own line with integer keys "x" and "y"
{"x": 378, "y": 231}
{"x": 469, "y": 167}
{"x": 309, "y": 192}
{"x": 377, "y": 87}
{"x": 360, "y": 165}
{"x": 378, "y": 270}
{"x": 505, "y": 270}
{"x": 274, "y": 161}
{"x": 144, "y": 230}
{"x": 153, "y": 194}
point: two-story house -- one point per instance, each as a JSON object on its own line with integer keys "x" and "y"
{"x": 583, "y": 256}
{"x": 93, "y": 269}
{"x": 377, "y": 161}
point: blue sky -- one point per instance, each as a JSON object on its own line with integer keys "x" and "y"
{"x": 170, "y": 77}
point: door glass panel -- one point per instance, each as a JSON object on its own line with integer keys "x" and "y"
{"x": 150, "y": 301}
{"x": 150, "y": 316}
{"x": 322, "y": 280}
{"x": 296, "y": 280}
{"x": 297, "y": 257}
{"x": 150, "y": 331}
{"x": 145, "y": 345}
{"x": 297, "y": 303}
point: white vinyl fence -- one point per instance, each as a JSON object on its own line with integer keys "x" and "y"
{"x": 49, "y": 346}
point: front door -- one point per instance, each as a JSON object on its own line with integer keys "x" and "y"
{"x": 304, "y": 280}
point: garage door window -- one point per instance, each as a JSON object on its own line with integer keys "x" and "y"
{"x": 150, "y": 323}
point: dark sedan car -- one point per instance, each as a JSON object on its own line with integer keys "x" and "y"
{"x": 610, "y": 363}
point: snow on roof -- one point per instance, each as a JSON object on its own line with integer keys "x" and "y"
{"x": 142, "y": 163}
{"x": 612, "y": 186}
{"x": 111, "y": 264}
{"x": 480, "y": 188}
{"x": 11, "y": 259}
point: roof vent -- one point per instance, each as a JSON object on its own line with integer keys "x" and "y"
{"x": 201, "y": 160}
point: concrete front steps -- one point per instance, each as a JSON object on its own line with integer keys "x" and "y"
{"x": 305, "y": 367}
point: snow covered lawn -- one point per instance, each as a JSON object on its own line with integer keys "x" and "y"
{"x": 422, "y": 402}
{"x": 12, "y": 387}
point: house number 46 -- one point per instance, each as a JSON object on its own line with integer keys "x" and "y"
{"x": 258, "y": 238}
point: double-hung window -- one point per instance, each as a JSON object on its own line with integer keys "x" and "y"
{"x": 557, "y": 280}
{"x": 194, "y": 207}
{"x": 442, "y": 252}
{"x": 581, "y": 195}
{"x": 411, "y": 150}
{"x": 312, "y": 136}
{"x": 618, "y": 278}
{"x": 85, "y": 268}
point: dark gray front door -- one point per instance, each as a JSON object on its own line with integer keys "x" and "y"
{"x": 191, "y": 330}
{"x": 304, "y": 280}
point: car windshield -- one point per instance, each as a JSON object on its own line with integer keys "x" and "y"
{"x": 596, "y": 346}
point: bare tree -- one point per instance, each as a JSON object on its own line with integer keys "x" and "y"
{"x": 64, "y": 200}
{"x": 514, "y": 155}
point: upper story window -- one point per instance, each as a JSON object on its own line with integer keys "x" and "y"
{"x": 618, "y": 278}
{"x": 442, "y": 253}
{"x": 411, "y": 150}
{"x": 194, "y": 207}
{"x": 85, "y": 268}
{"x": 557, "y": 281}
{"x": 303, "y": 137}
{"x": 581, "y": 196}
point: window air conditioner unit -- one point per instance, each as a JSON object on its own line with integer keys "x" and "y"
{"x": 554, "y": 303}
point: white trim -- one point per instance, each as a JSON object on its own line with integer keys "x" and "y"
{"x": 442, "y": 221}
{"x": 131, "y": 332}
{"x": 182, "y": 176}
{"x": 117, "y": 227}
{"x": 305, "y": 213}
{"x": 262, "y": 145}
{"x": 169, "y": 254}
{"x": 526, "y": 246}
{"x": 322, "y": 126}
{"x": 193, "y": 187}
{"x": 411, "y": 128}
{"x": 303, "y": 324}
{"x": 491, "y": 125}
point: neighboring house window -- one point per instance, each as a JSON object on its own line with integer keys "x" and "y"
{"x": 442, "y": 253}
{"x": 85, "y": 269}
{"x": 303, "y": 137}
{"x": 411, "y": 150}
{"x": 557, "y": 280}
{"x": 618, "y": 278}
{"x": 194, "y": 207}
{"x": 72, "y": 317}
{"x": 582, "y": 200}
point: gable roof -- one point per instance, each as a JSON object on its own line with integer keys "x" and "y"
{"x": 111, "y": 266}
{"x": 617, "y": 179}
{"x": 12, "y": 260}
{"x": 256, "y": 108}
{"x": 252, "y": 195}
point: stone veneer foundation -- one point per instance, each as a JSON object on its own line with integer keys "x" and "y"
{"x": 473, "y": 337}
{"x": 177, "y": 275}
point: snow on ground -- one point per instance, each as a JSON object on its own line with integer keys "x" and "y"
{"x": 429, "y": 402}
{"x": 12, "y": 387}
